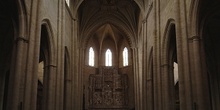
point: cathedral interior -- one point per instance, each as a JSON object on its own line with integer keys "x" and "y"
{"x": 109, "y": 55}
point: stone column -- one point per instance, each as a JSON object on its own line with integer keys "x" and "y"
{"x": 136, "y": 78}
{"x": 32, "y": 59}
{"x": 2, "y": 85}
{"x": 49, "y": 87}
{"x": 67, "y": 85}
{"x": 13, "y": 102}
{"x": 59, "y": 56}
{"x": 202, "y": 101}
{"x": 185, "y": 85}
{"x": 157, "y": 57}
{"x": 73, "y": 63}
{"x": 80, "y": 84}
{"x": 144, "y": 67}
{"x": 168, "y": 102}
{"x": 76, "y": 63}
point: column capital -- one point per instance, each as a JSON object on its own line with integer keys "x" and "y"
{"x": 22, "y": 38}
{"x": 144, "y": 20}
{"x": 194, "y": 38}
{"x": 82, "y": 47}
{"x": 134, "y": 48}
{"x": 165, "y": 65}
{"x": 48, "y": 66}
{"x": 74, "y": 19}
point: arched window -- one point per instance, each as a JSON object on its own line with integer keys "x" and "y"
{"x": 91, "y": 57}
{"x": 125, "y": 57}
{"x": 108, "y": 58}
{"x": 68, "y": 2}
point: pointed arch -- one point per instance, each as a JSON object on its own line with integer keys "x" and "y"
{"x": 208, "y": 37}
{"x": 169, "y": 55}
{"x": 166, "y": 37}
{"x": 50, "y": 40}
{"x": 47, "y": 55}
{"x": 10, "y": 54}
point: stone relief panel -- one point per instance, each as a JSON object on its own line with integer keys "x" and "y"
{"x": 108, "y": 89}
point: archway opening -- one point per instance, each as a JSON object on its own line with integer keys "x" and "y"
{"x": 208, "y": 28}
{"x": 8, "y": 32}
{"x": 102, "y": 27}
{"x": 211, "y": 41}
{"x": 173, "y": 69}
{"x": 43, "y": 70}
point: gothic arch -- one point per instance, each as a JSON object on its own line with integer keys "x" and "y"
{"x": 51, "y": 44}
{"x": 166, "y": 39}
{"x": 169, "y": 55}
{"x": 10, "y": 73}
{"x": 197, "y": 21}
{"x": 47, "y": 56}
{"x": 208, "y": 30}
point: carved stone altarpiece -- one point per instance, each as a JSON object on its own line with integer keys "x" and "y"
{"x": 108, "y": 89}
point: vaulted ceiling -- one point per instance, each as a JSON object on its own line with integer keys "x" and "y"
{"x": 143, "y": 4}
{"x": 115, "y": 17}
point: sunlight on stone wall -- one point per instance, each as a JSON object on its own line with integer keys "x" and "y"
{"x": 176, "y": 76}
{"x": 41, "y": 72}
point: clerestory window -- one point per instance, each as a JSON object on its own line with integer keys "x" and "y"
{"x": 108, "y": 58}
{"x": 91, "y": 57}
{"x": 125, "y": 57}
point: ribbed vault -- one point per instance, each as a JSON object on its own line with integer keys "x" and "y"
{"x": 121, "y": 15}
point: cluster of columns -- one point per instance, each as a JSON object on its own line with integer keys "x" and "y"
{"x": 193, "y": 83}
{"x": 23, "y": 80}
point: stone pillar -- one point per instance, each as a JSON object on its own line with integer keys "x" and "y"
{"x": 60, "y": 50}
{"x": 157, "y": 57}
{"x": 185, "y": 85}
{"x": 2, "y": 85}
{"x": 144, "y": 67}
{"x": 167, "y": 87}
{"x": 80, "y": 82}
{"x": 74, "y": 64}
{"x": 49, "y": 87}
{"x": 32, "y": 59}
{"x": 202, "y": 100}
{"x": 137, "y": 90}
{"x": 15, "y": 76}
{"x": 67, "y": 85}
{"x": 150, "y": 94}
